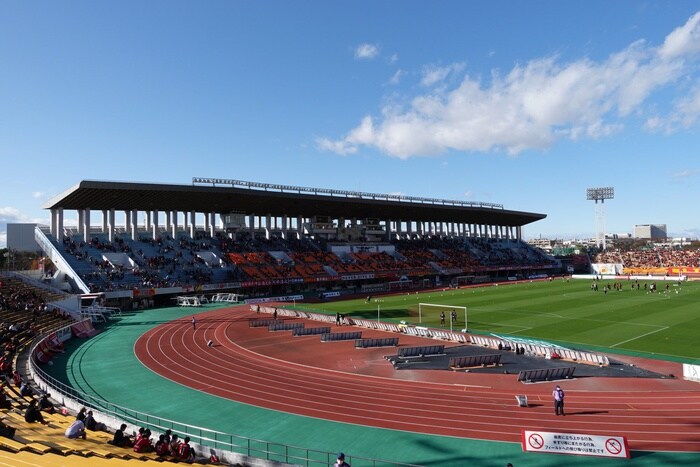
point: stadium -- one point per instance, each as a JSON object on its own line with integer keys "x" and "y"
{"x": 281, "y": 325}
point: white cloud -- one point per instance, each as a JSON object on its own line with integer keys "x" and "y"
{"x": 686, "y": 173}
{"x": 532, "y": 106}
{"x": 393, "y": 59}
{"x": 366, "y": 51}
{"x": 396, "y": 77}
{"x": 684, "y": 40}
{"x": 684, "y": 114}
{"x": 434, "y": 74}
{"x": 38, "y": 194}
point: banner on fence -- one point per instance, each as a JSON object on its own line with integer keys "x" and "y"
{"x": 575, "y": 443}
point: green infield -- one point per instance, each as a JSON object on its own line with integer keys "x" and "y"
{"x": 661, "y": 324}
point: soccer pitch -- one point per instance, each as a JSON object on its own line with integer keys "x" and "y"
{"x": 663, "y": 324}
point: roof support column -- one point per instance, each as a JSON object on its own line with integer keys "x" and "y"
{"x": 105, "y": 221}
{"x": 173, "y": 226}
{"x": 193, "y": 223}
{"x": 268, "y": 226}
{"x": 168, "y": 220}
{"x": 387, "y": 230}
{"x": 147, "y": 227}
{"x": 300, "y": 227}
{"x": 86, "y": 225}
{"x": 154, "y": 225}
{"x": 127, "y": 222}
{"x": 57, "y": 223}
{"x": 284, "y": 227}
{"x": 134, "y": 224}
{"x": 251, "y": 225}
{"x": 110, "y": 225}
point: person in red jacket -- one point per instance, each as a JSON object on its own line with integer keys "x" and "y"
{"x": 143, "y": 444}
{"x": 185, "y": 451}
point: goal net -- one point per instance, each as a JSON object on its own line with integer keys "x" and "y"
{"x": 444, "y": 316}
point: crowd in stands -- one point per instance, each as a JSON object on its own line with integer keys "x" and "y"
{"x": 650, "y": 258}
{"x": 169, "y": 262}
{"x": 168, "y": 446}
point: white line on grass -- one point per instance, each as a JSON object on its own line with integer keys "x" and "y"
{"x": 639, "y": 337}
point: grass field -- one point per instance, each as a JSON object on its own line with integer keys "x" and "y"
{"x": 662, "y": 324}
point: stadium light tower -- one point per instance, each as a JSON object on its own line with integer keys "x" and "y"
{"x": 600, "y": 194}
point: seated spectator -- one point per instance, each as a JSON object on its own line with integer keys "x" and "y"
{"x": 4, "y": 401}
{"x": 7, "y": 431}
{"x": 76, "y": 429}
{"x": 174, "y": 446}
{"x": 17, "y": 378}
{"x": 25, "y": 390}
{"x": 143, "y": 444}
{"x": 120, "y": 439}
{"x": 185, "y": 451}
{"x": 46, "y": 405}
{"x": 92, "y": 424}
{"x": 33, "y": 414}
{"x": 162, "y": 447}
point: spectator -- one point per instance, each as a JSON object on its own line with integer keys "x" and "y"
{"x": 92, "y": 424}
{"x": 7, "y": 431}
{"x": 76, "y": 429}
{"x": 120, "y": 439}
{"x": 25, "y": 390}
{"x": 185, "y": 451}
{"x": 33, "y": 414}
{"x": 16, "y": 378}
{"x": 174, "y": 446}
{"x": 341, "y": 461}
{"x": 143, "y": 444}
{"x": 4, "y": 401}
{"x": 162, "y": 447}
{"x": 46, "y": 405}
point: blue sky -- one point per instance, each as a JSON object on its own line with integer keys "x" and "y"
{"x": 524, "y": 104}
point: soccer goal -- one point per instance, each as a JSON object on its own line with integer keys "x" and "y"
{"x": 453, "y": 314}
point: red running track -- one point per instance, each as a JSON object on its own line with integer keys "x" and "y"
{"x": 335, "y": 381}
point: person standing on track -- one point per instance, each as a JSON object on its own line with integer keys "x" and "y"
{"x": 194, "y": 323}
{"x": 558, "y": 395}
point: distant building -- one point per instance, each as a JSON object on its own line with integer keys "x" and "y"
{"x": 650, "y": 231}
{"x": 20, "y": 237}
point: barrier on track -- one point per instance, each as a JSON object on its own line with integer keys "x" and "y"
{"x": 262, "y": 322}
{"x": 284, "y": 326}
{"x": 471, "y": 361}
{"x": 311, "y": 331}
{"x": 546, "y": 374}
{"x": 422, "y": 351}
{"x": 341, "y": 336}
{"x": 376, "y": 342}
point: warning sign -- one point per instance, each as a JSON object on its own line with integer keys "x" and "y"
{"x": 575, "y": 443}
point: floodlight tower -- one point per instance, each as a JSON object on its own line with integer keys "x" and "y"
{"x": 600, "y": 194}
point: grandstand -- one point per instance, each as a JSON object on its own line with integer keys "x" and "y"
{"x": 157, "y": 242}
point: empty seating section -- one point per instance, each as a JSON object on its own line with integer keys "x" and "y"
{"x": 376, "y": 342}
{"x": 547, "y": 374}
{"x": 421, "y": 351}
{"x": 471, "y": 361}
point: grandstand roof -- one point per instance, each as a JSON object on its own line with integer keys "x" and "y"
{"x": 103, "y": 195}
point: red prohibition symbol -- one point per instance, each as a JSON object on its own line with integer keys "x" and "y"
{"x": 613, "y": 446}
{"x": 535, "y": 441}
